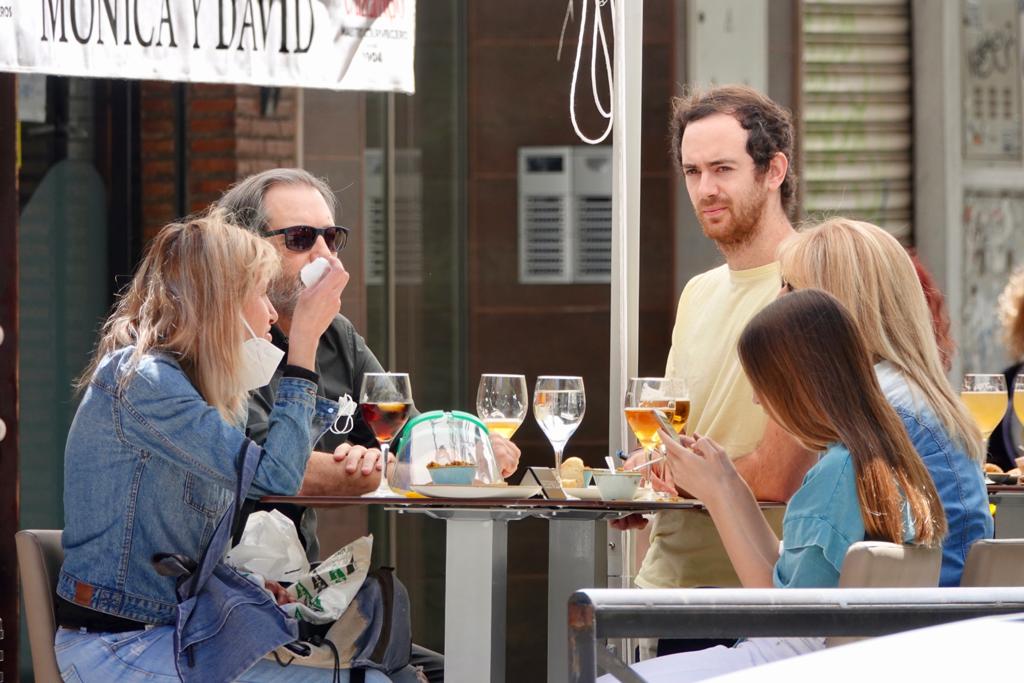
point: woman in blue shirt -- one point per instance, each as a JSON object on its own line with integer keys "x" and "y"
{"x": 811, "y": 372}
{"x": 870, "y": 273}
{"x": 150, "y": 462}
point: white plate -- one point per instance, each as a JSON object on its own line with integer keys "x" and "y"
{"x": 587, "y": 493}
{"x": 509, "y": 492}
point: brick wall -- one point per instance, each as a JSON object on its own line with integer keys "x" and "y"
{"x": 227, "y": 138}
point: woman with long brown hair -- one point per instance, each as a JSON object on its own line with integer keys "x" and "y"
{"x": 870, "y": 273}
{"x": 812, "y": 373}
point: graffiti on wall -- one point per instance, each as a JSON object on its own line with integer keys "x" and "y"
{"x": 993, "y": 247}
{"x": 991, "y": 80}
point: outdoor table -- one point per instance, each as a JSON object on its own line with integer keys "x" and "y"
{"x": 476, "y": 566}
{"x": 1009, "y": 502}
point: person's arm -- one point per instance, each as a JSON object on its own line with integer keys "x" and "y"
{"x": 705, "y": 469}
{"x": 350, "y": 471}
{"x": 506, "y": 455}
{"x": 774, "y": 470}
{"x": 162, "y": 413}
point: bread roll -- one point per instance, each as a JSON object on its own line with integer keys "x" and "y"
{"x": 571, "y": 472}
{"x": 992, "y": 468}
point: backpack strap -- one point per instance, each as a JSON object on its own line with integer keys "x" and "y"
{"x": 386, "y": 578}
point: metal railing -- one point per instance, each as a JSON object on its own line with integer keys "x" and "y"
{"x": 599, "y": 614}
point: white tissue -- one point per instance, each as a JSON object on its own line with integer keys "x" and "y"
{"x": 312, "y": 272}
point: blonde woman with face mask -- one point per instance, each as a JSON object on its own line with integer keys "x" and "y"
{"x": 151, "y": 457}
{"x": 870, "y": 273}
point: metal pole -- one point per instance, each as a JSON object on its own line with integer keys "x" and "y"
{"x": 625, "y": 275}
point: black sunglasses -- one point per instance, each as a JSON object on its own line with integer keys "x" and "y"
{"x": 302, "y": 237}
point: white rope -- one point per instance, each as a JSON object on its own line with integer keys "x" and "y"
{"x": 598, "y": 35}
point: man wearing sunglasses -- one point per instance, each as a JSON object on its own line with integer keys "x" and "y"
{"x": 295, "y": 211}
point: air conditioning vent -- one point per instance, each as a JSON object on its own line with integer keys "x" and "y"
{"x": 565, "y": 215}
{"x": 594, "y": 253}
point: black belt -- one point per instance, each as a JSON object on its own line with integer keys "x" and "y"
{"x": 76, "y": 617}
{"x": 104, "y": 628}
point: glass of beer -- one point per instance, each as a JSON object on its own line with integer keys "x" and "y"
{"x": 385, "y": 402}
{"x": 986, "y": 399}
{"x": 1018, "y": 398}
{"x": 501, "y": 402}
{"x": 645, "y": 396}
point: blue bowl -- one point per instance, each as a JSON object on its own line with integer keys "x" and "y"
{"x": 452, "y": 476}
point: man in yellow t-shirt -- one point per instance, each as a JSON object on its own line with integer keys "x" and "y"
{"x": 733, "y": 146}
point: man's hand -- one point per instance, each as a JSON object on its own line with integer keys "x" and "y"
{"x": 359, "y": 459}
{"x": 506, "y": 455}
{"x": 629, "y": 522}
{"x": 661, "y": 480}
{"x": 660, "y": 476}
{"x": 349, "y": 471}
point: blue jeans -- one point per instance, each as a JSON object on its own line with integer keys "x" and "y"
{"x": 147, "y": 655}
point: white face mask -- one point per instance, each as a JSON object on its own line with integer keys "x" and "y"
{"x": 260, "y": 359}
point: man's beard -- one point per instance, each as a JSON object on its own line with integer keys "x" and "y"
{"x": 746, "y": 215}
{"x": 283, "y": 292}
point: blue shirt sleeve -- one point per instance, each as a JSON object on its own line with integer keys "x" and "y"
{"x": 805, "y": 567}
{"x": 822, "y": 521}
{"x": 812, "y": 554}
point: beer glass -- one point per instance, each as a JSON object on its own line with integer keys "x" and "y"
{"x": 985, "y": 398}
{"x": 501, "y": 402}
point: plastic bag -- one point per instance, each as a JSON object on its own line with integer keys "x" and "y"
{"x": 270, "y": 547}
{"x": 323, "y": 594}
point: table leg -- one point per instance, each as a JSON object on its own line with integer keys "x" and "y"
{"x": 474, "y": 601}
{"x": 576, "y": 559}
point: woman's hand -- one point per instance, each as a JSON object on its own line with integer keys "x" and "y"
{"x": 699, "y": 465}
{"x": 281, "y": 594}
{"x": 314, "y": 311}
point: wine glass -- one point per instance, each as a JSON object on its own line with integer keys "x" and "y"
{"x": 501, "y": 402}
{"x": 558, "y": 406}
{"x": 985, "y": 398}
{"x": 385, "y": 401}
{"x": 645, "y": 396}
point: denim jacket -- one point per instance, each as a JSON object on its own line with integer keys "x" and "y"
{"x": 150, "y": 467}
{"x": 958, "y": 479}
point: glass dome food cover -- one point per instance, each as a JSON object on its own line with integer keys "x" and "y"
{"x": 445, "y": 448}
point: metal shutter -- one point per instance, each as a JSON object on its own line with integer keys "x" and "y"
{"x": 855, "y": 114}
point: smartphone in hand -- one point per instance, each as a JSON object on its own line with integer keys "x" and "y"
{"x": 664, "y": 423}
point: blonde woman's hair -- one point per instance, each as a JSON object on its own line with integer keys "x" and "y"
{"x": 1011, "y": 314}
{"x": 186, "y": 300}
{"x": 808, "y": 363}
{"x": 870, "y": 273}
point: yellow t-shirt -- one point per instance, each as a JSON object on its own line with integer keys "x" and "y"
{"x": 713, "y": 310}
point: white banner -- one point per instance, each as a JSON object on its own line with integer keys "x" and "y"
{"x": 332, "y": 44}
